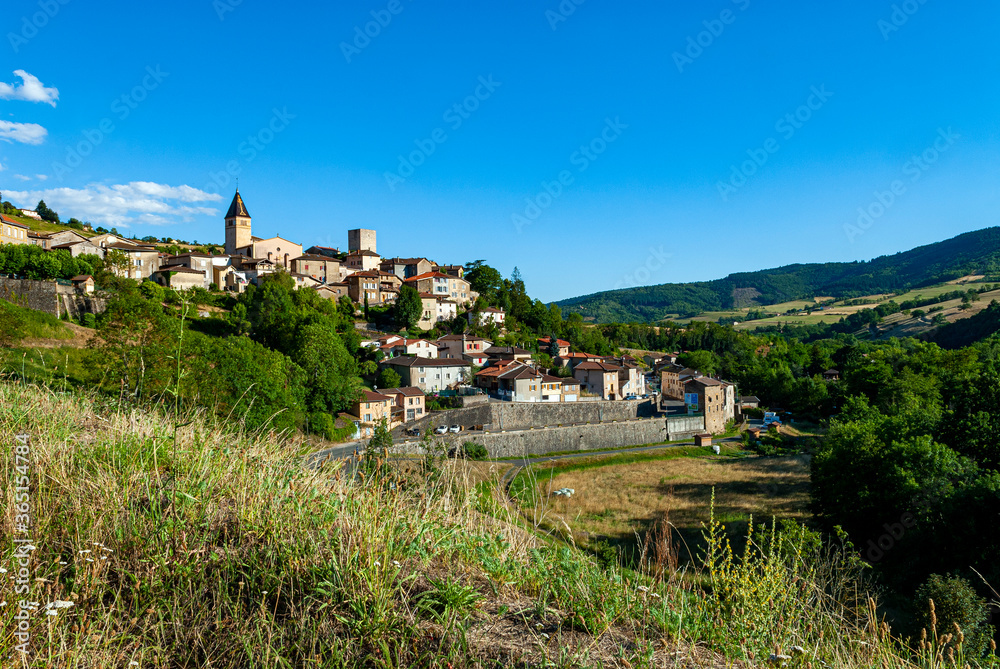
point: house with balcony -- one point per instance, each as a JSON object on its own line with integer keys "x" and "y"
{"x": 410, "y": 403}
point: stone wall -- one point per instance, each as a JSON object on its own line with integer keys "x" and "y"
{"x": 523, "y": 415}
{"x": 50, "y": 297}
{"x": 584, "y": 437}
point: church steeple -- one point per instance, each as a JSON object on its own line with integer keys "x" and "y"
{"x": 237, "y": 208}
{"x": 237, "y": 225}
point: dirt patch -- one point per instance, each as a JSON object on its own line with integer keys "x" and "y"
{"x": 80, "y": 339}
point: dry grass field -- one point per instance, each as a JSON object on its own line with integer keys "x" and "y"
{"x": 620, "y": 503}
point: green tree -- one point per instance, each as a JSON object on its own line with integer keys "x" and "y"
{"x": 388, "y": 378}
{"x": 47, "y": 214}
{"x": 408, "y": 308}
{"x": 330, "y": 371}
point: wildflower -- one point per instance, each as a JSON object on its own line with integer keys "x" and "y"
{"x": 133, "y": 663}
{"x": 51, "y": 612}
{"x": 377, "y": 563}
{"x": 642, "y": 588}
{"x": 546, "y": 636}
{"x": 62, "y": 563}
{"x": 395, "y": 563}
{"x": 653, "y": 594}
{"x": 86, "y": 551}
{"x": 89, "y": 560}
{"x": 797, "y": 650}
{"x": 2, "y": 570}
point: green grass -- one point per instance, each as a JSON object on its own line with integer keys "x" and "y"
{"x": 182, "y": 542}
{"x": 23, "y": 323}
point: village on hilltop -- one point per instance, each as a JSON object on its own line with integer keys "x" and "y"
{"x": 450, "y": 365}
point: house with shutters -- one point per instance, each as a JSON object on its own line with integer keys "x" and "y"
{"x": 430, "y": 375}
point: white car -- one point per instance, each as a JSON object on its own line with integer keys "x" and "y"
{"x": 455, "y": 429}
{"x": 443, "y": 429}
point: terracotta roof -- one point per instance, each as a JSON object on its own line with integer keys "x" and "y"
{"x": 81, "y": 277}
{"x": 548, "y": 340}
{"x": 407, "y": 392}
{"x": 598, "y": 366}
{"x": 14, "y": 223}
{"x": 363, "y": 253}
{"x": 375, "y": 397}
{"x": 462, "y": 337}
{"x": 314, "y": 256}
{"x": 432, "y": 275}
{"x": 237, "y": 208}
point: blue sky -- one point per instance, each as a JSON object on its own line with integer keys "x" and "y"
{"x": 596, "y": 145}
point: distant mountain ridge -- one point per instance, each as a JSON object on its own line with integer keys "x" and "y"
{"x": 968, "y": 253}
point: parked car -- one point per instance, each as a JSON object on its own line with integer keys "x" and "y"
{"x": 442, "y": 429}
{"x": 455, "y": 429}
{"x": 631, "y": 397}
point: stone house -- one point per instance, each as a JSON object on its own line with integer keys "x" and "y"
{"x": 322, "y": 268}
{"x": 378, "y": 287}
{"x": 458, "y": 345}
{"x": 599, "y": 378}
{"x": 436, "y": 309}
{"x": 430, "y": 375}
{"x": 179, "y": 277}
{"x": 442, "y": 285}
{"x": 363, "y": 261}
{"x": 405, "y": 268}
{"x": 716, "y": 399}
{"x": 672, "y": 380}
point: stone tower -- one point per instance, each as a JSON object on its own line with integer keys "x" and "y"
{"x": 237, "y": 225}
{"x": 361, "y": 240}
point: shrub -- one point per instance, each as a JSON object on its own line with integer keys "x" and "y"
{"x": 955, "y": 603}
{"x": 474, "y": 451}
{"x": 89, "y": 320}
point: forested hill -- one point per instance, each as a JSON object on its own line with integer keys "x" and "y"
{"x": 969, "y": 253}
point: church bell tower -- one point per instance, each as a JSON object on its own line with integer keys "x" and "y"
{"x": 237, "y": 225}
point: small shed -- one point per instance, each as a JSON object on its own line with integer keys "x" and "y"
{"x": 703, "y": 439}
{"x": 749, "y": 402}
{"x": 83, "y": 282}
{"x": 831, "y": 375}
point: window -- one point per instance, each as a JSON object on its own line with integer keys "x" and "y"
{"x": 368, "y": 418}
{"x": 423, "y": 380}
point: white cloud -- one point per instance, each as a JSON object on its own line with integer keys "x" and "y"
{"x": 124, "y": 204}
{"x": 26, "y": 133}
{"x": 41, "y": 177}
{"x": 32, "y": 90}
{"x": 2, "y": 168}
{"x": 22, "y": 177}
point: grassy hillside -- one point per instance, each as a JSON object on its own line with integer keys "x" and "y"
{"x": 165, "y": 546}
{"x": 970, "y": 253}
